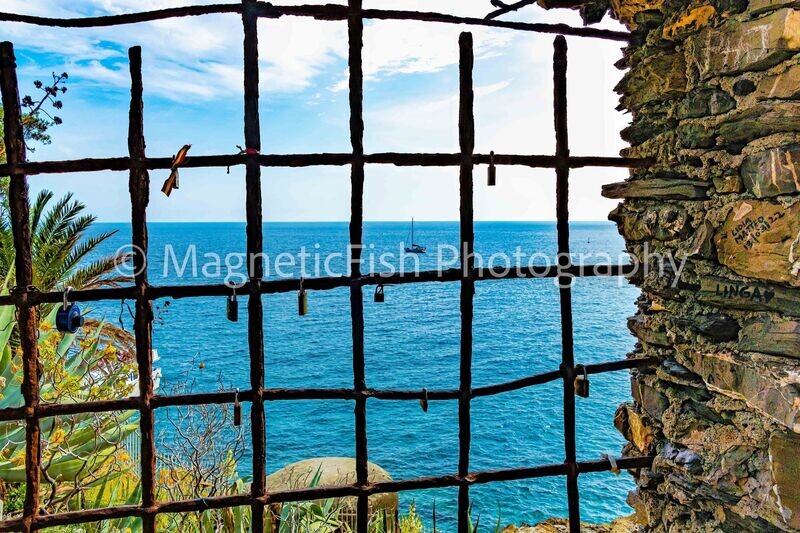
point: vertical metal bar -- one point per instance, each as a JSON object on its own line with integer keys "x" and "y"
{"x": 19, "y": 207}
{"x": 466, "y": 140}
{"x": 139, "y": 186}
{"x": 565, "y": 281}
{"x": 255, "y": 310}
{"x": 355, "y": 32}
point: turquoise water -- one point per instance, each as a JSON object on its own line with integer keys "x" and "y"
{"x": 412, "y": 341}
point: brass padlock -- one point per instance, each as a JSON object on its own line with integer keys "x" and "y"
{"x": 581, "y": 382}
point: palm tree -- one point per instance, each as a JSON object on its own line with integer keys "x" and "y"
{"x": 60, "y": 247}
{"x": 62, "y": 255}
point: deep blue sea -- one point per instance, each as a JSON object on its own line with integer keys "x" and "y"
{"x": 412, "y": 341}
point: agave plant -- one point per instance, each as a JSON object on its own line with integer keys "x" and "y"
{"x": 80, "y": 452}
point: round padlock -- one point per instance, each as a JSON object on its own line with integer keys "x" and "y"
{"x": 68, "y": 318}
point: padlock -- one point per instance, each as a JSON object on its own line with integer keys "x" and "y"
{"x": 423, "y": 402}
{"x": 379, "y": 296}
{"x": 68, "y": 318}
{"x": 492, "y": 171}
{"x": 232, "y": 307}
{"x": 581, "y": 383}
{"x": 302, "y": 300}
{"x": 237, "y": 410}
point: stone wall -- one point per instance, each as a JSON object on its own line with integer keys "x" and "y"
{"x": 713, "y": 89}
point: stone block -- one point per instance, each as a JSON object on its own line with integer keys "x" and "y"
{"x": 705, "y": 102}
{"x": 761, "y": 240}
{"x": 771, "y": 336}
{"x": 759, "y": 121}
{"x": 762, "y": 382}
{"x": 688, "y": 21}
{"x": 728, "y": 184}
{"x": 772, "y": 172}
{"x": 753, "y": 45}
{"x": 653, "y": 80}
{"x": 634, "y": 427}
{"x": 783, "y": 85}
{"x": 749, "y": 296}
{"x": 665, "y": 189}
{"x": 784, "y": 450}
{"x": 626, "y": 10}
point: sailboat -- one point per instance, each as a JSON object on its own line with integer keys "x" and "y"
{"x": 414, "y": 248}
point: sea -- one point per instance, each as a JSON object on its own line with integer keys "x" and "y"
{"x": 411, "y": 342}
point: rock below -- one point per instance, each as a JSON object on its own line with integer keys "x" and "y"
{"x": 333, "y": 471}
{"x": 625, "y": 524}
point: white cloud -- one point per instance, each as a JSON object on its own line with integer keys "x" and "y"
{"x": 200, "y": 57}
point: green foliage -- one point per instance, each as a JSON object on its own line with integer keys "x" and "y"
{"x": 80, "y": 452}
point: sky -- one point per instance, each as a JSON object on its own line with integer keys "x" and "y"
{"x": 193, "y": 95}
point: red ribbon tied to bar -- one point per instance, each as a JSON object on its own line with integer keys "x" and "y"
{"x": 177, "y": 160}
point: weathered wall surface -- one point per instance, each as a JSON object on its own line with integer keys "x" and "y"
{"x": 714, "y": 93}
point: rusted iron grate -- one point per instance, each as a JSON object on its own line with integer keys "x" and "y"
{"x": 25, "y": 297}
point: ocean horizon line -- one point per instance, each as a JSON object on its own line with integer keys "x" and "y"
{"x": 553, "y": 221}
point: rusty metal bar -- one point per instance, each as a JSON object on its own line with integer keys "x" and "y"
{"x": 27, "y": 323}
{"x": 326, "y": 283}
{"x": 283, "y": 394}
{"x": 315, "y": 493}
{"x": 466, "y": 141}
{"x": 139, "y": 186}
{"x": 255, "y": 266}
{"x": 355, "y": 40}
{"x": 117, "y": 164}
{"x": 320, "y": 12}
{"x": 565, "y": 281}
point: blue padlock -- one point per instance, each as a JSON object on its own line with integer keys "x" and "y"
{"x": 68, "y": 318}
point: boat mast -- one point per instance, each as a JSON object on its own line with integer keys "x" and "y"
{"x": 412, "y": 231}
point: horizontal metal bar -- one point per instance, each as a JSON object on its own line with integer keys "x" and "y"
{"x": 119, "y": 164}
{"x": 316, "y": 493}
{"x": 284, "y": 394}
{"x": 324, "y": 283}
{"x": 319, "y": 12}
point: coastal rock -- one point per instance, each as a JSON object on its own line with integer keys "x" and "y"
{"x": 657, "y": 188}
{"x": 784, "y": 450}
{"x": 773, "y": 172}
{"x": 769, "y": 335}
{"x": 761, "y": 240}
{"x": 333, "y": 471}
